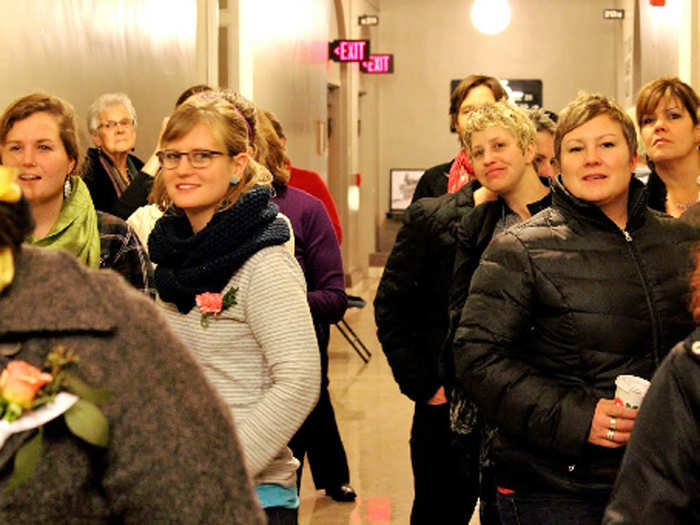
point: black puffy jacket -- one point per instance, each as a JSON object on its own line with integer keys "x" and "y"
{"x": 410, "y": 308}
{"x": 659, "y": 480}
{"x": 560, "y": 305}
{"x": 473, "y": 235}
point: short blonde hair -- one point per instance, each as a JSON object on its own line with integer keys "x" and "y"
{"x": 229, "y": 128}
{"x": 587, "y": 106}
{"x": 542, "y": 120}
{"x": 499, "y": 114}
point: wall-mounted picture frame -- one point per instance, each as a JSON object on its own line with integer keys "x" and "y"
{"x": 402, "y": 184}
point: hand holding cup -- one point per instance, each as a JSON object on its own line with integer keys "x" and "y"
{"x": 612, "y": 424}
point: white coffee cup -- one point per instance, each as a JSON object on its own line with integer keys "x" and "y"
{"x": 630, "y": 390}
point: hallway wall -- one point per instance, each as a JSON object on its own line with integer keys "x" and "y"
{"x": 279, "y": 53}
{"x": 79, "y": 49}
{"x": 152, "y": 49}
{"x": 287, "y": 47}
{"x": 566, "y": 44}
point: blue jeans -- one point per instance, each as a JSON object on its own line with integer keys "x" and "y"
{"x": 532, "y": 508}
{"x": 281, "y": 516}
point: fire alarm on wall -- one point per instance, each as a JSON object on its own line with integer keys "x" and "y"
{"x": 659, "y": 3}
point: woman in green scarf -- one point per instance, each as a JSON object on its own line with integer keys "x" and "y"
{"x": 38, "y": 136}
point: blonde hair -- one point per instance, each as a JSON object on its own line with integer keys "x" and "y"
{"x": 542, "y": 120}
{"x": 587, "y": 106}
{"x": 275, "y": 157}
{"x": 229, "y": 127}
{"x": 499, "y": 114}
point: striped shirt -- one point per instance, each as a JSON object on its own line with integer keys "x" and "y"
{"x": 262, "y": 357}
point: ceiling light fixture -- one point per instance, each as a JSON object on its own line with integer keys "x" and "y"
{"x": 490, "y": 16}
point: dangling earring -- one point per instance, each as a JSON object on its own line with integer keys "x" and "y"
{"x": 234, "y": 180}
{"x": 67, "y": 187}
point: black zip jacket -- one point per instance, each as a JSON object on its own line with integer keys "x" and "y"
{"x": 474, "y": 234}
{"x": 410, "y": 307}
{"x": 560, "y": 305}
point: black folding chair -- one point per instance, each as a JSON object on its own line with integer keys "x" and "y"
{"x": 349, "y": 334}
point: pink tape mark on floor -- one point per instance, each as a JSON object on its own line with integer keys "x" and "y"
{"x": 372, "y": 510}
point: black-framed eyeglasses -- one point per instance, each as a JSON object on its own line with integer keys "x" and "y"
{"x": 199, "y": 158}
{"x": 112, "y": 124}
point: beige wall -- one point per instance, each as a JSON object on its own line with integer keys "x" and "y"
{"x": 566, "y": 44}
{"x": 278, "y": 56}
{"x": 80, "y": 49}
{"x": 289, "y": 51}
{"x": 659, "y": 29}
{"x": 365, "y": 116}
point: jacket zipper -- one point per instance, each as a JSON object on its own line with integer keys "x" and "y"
{"x": 647, "y": 295}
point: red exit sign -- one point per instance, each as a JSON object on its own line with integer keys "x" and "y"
{"x": 378, "y": 64}
{"x": 348, "y": 50}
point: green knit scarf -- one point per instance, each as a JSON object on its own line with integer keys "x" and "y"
{"x": 75, "y": 230}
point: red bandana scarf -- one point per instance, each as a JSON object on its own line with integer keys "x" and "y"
{"x": 461, "y": 172}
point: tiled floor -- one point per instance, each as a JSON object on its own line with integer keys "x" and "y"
{"x": 374, "y": 420}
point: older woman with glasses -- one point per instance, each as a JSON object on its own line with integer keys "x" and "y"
{"x": 117, "y": 180}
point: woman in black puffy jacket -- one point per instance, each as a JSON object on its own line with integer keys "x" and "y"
{"x": 591, "y": 288}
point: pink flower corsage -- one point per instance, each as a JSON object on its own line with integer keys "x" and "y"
{"x": 212, "y": 304}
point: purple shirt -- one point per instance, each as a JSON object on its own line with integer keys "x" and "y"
{"x": 317, "y": 252}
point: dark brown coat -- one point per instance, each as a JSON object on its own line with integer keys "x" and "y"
{"x": 173, "y": 455}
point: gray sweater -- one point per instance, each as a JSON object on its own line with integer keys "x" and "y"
{"x": 173, "y": 455}
{"x": 262, "y": 357}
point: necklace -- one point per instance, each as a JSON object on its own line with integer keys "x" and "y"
{"x": 687, "y": 204}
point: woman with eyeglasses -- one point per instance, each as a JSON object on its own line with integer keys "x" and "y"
{"x": 233, "y": 292}
{"x": 118, "y": 181}
{"x": 38, "y": 136}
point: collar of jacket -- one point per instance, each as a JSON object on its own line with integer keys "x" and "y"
{"x": 563, "y": 200}
{"x": 52, "y": 292}
{"x": 483, "y": 221}
{"x": 544, "y": 202}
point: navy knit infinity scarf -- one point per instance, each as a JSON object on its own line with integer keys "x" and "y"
{"x": 192, "y": 263}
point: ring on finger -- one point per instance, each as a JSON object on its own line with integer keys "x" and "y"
{"x": 611, "y": 435}
{"x": 613, "y": 423}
